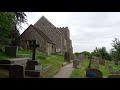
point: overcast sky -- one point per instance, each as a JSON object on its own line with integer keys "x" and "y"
{"x": 87, "y": 29}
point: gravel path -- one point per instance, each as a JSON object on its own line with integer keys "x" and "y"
{"x": 65, "y": 71}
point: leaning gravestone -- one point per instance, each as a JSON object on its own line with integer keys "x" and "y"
{"x": 11, "y": 51}
{"x": 76, "y": 64}
{"x": 94, "y": 73}
{"x": 16, "y": 71}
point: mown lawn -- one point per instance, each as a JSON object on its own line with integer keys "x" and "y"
{"x": 81, "y": 73}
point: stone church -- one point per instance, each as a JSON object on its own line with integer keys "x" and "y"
{"x": 51, "y": 39}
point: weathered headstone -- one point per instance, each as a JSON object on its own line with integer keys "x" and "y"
{"x": 101, "y": 61}
{"x": 76, "y": 64}
{"x": 96, "y": 65}
{"x": 16, "y": 71}
{"x": 95, "y": 62}
{"x": 30, "y": 69}
{"x": 119, "y": 63}
{"x": 94, "y": 73}
{"x": 67, "y": 56}
{"x": 11, "y": 51}
{"x": 114, "y": 76}
{"x": 110, "y": 68}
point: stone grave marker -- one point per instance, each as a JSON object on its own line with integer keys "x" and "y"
{"x": 67, "y": 56}
{"x": 96, "y": 65}
{"x": 94, "y": 73}
{"x": 110, "y": 68}
{"x": 11, "y": 51}
{"x": 114, "y": 76}
{"x": 16, "y": 71}
{"x": 76, "y": 64}
{"x": 30, "y": 69}
{"x": 119, "y": 63}
{"x": 101, "y": 61}
{"x": 95, "y": 62}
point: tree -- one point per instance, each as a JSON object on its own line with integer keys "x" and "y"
{"x": 20, "y": 17}
{"x": 102, "y": 52}
{"x": 9, "y": 24}
{"x": 85, "y": 53}
{"x": 115, "y": 52}
{"x": 7, "y": 21}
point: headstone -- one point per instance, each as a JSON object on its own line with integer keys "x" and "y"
{"x": 102, "y": 61}
{"x": 76, "y": 64}
{"x": 114, "y": 76}
{"x": 67, "y": 56}
{"x": 5, "y": 64}
{"x": 30, "y": 69}
{"x": 38, "y": 68}
{"x": 11, "y": 51}
{"x": 16, "y": 71}
{"x": 95, "y": 62}
{"x": 94, "y": 73}
{"x": 119, "y": 63}
{"x": 96, "y": 65}
{"x": 30, "y": 65}
{"x": 110, "y": 68}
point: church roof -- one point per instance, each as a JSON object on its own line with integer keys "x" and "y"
{"x": 42, "y": 34}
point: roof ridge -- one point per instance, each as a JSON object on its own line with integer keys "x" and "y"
{"x": 38, "y": 30}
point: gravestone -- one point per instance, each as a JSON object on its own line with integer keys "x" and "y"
{"x": 101, "y": 61}
{"x": 110, "y": 68}
{"x": 94, "y": 73}
{"x": 11, "y": 51}
{"x": 96, "y": 65}
{"x": 114, "y": 76}
{"x": 16, "y": 71}
{"x": 95, "y": 62}
{"x": 67, "y": 56}
{"x": 30, "y": 69}
{"x": 5, "y": 64}
{"x": 76, "y": 64}
{"x": 119, "y": 63}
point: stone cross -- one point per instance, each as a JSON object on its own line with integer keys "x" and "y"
{"x": 34, "y": 45}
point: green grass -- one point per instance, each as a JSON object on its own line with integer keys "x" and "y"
{"x": 3, "y": 56}
{"x": 45, "y": 60}
{"x": 80, "y": 73}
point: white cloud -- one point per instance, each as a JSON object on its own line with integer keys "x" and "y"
{"x": 87, "y": 29}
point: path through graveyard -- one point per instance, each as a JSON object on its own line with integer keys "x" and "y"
{"x": 65, "y": 71}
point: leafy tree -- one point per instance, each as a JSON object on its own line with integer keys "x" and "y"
{"x": 115, "y": 52}
{"x": 85, "y": 53}
{"x": 102, "y": 52}
{"x": 9, "y": 24}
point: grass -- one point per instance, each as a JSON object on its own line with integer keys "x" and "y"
{"x": 55, "y": 60}
{"x": 80, "y": 73}
{"x": 3, "y": 56}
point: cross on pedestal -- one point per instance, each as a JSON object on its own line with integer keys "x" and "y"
{"x": 34, "y": 45}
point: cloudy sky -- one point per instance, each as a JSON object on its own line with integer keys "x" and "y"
{"x": 87, "y": 29}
